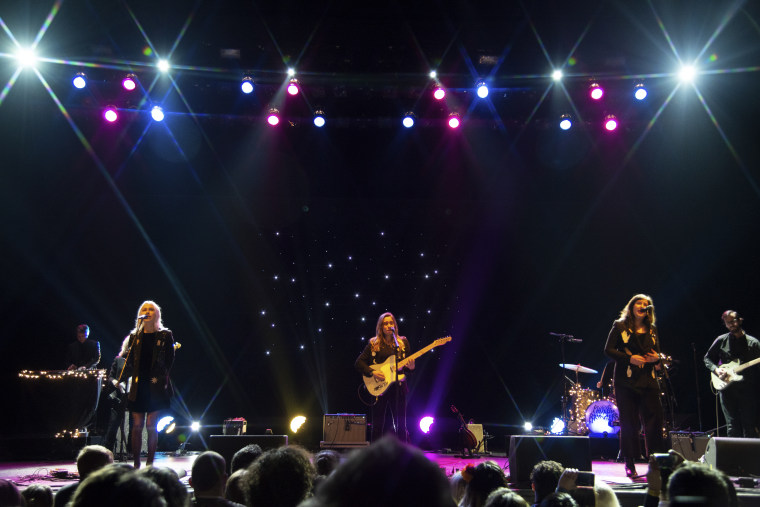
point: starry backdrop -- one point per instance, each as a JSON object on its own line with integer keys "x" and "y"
{"x": 272, "y": 251}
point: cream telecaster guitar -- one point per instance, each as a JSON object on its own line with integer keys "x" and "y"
{"x": 388, "y": 367}
{"x": 732, "y": 373}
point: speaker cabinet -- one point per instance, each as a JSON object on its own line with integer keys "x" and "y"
{"x": 691, "y": 445}
{"x": 526, "y": 451}
{"x": 344, "y": 431}
{"x": 228, "y": 445}
{"x": 737, "y": 457}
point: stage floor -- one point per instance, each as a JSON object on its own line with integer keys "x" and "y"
{"x": 57, "y": 474}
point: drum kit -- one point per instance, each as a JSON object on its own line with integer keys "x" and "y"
{"x": 589, "y": 412}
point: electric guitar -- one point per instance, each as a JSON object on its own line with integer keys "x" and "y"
{"x": 732, "y": 373}
{"x": 388, "y": 367}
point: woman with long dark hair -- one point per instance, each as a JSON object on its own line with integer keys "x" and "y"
{"x": 634, "y": 346}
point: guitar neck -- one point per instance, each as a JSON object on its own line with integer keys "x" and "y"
{"x": 417, "y": 354}
{"x": 746, "y": 365}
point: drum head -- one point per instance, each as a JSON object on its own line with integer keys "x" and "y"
{"x": 600, "y": 416}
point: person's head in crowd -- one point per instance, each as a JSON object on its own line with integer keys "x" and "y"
{"x": 544, "y": 478}
{"x": 699, "y": 480}
{"x": 117, "y": 485}
{"x": 558, "y": 500}
{"x": 174, "y": 492}
{"x": 280, "y": 477}
{"x": 234, "y": 491}
{"x": 605, "y": 496}
{"x": 10, "y": 496}
{"x": 386, "y": 473}
{"x": 245, "y": 456}
{"x": 481, "y": 480}
{"x": 92, "y": 458}
{"x": 208, "y": 475}
{"x": 326, "y": 461}
{"x": 458, "y": 485}
{"x": 38, "y": 495}
{"x": 504, "y": 497}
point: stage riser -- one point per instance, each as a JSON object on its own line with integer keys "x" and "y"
{"x": 526, "y": 451}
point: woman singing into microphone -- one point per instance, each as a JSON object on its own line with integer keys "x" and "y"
{"x": 150, "y": 355}
{"x": 632, "y": 344}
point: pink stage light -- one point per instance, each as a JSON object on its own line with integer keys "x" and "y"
{"x": 293, "y": 87}
{"x": 610, "y": 122}
{"x": 454, "y": 121}
{"x": 595, "y": 91}
{"x": 129, "y": 82}
{"x": 425, "y": 423}
{"x": 110, "y": 114}
{"x": 273, "y": 118}
{"x": 439, "y": 93}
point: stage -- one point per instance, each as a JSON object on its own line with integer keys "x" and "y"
{"x": 57, "y": 474}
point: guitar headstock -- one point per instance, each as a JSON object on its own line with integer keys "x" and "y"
{"x": 441, "y": 341}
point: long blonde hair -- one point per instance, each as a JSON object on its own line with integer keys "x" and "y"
{"x": 159, "y": 324}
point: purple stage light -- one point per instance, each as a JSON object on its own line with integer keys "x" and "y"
{"x": 426, "y": 423}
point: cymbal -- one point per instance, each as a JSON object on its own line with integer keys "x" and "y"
{"x": 578, "y": 368}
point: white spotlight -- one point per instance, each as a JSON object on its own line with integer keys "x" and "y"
{"x": 687, "y": 73}
{"x": 195, "y": 426}
{"x": 557, "y": 75}
{"x": 157, "y": 113}
{"x": 433, "y": 74}
{"x": 408, "y": 120}
{"x": 163, "y": 65}
{"x": 291, "y": 71}
{"x": 528, "y": 426}
{"x": 482, "y": 89}
{"x": 565, "y": 122}
{"x": 26, "y": 57}
{"x": 319, "y": 118}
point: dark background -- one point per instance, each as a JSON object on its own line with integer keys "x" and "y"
{"x": 272, "y": 251}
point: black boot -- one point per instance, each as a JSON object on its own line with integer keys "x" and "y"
{"x": 630, "y": 468}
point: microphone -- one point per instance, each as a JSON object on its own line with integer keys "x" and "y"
{"x": 567, "y": 337}
{"x": 648, "y": 308}
{"x": 142, "y": 317}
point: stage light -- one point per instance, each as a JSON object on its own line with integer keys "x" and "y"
{"x": 528, "y": 426}
{"x": 439, "y": 93}
{"x": 273, "y": 118}
{"x": 110, "y": 114}
{"x": 195, "y": 426}
{"x": 558, "y": 426}
{"x": 433, "y": 74}
{"x": 163, "y": 65}
{"x": 557, "y": 75}
{"x": 610, "y": 122}
{"x": 687, "y": 73}
{"x": 26, "y": 57}
{"x": 640, "y": 91}
{"x": 166, "y": 423}
{"x": 129, "y": 82}
{"x": 482, "y": 89}
{"x": 425, "y": 423}
{"x": 157, "y": 113}
{"x": 79, "y": 81}
{"x": 454, "y": 120}
{"x": 565, "y": 122}
{"x": 293, "y": 87}
{"x": 247, "y": 85}
{"x": 291, "y": 72}
{"x": 296, "y": 423}
{"x": 595, "y": 91}
{"x": 408, "y": 120}
{"x": 319, "y": 118}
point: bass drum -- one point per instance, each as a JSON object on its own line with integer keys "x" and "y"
{"x": 603, "y": 417}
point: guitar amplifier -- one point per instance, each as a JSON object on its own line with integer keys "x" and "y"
{"x": 344, "y": 431}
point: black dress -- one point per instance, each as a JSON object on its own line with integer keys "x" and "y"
{"x": 151, "y": 357}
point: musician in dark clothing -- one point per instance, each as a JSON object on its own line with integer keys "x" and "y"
{"x": 738, "y": 399}
{"x": 633, "y": 344}
{"x": 116, "y": 402}
{"x": 83, "y": 353}
{"x": 389, "y": 410}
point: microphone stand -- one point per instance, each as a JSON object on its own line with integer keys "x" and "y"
{"x": 398, "y": 389}
{"x": 696, "y": 384}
